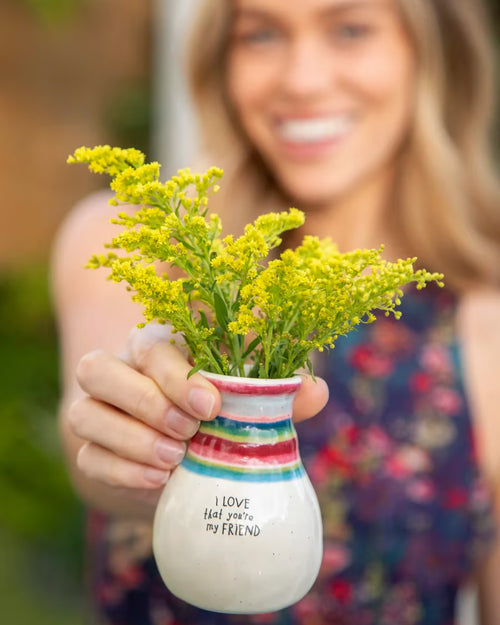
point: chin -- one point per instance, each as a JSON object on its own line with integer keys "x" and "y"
{"x": 310, "y": 197}
{"x": 312, "y": 185}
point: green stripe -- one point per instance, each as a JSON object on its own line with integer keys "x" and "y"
{"x": 237, "y": 431}
{"x": 244, "y": 474}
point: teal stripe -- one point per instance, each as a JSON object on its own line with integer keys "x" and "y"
{"x": 245, "y": 475}
{"x": 233, "y": 424}
{"x": 229, "y": 428}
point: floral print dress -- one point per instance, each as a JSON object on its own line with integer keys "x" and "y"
{"x": 406, "y": 515}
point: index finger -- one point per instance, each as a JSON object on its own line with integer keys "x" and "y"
{"x": 169, "y": 368}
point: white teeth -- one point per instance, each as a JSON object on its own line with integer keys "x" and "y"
{"x": 314, "y": 130}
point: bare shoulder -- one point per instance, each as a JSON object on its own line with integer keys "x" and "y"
{"x": 84, "y": 232}
{"x": 85, "y": 225}
{"x": 479, "y": 326}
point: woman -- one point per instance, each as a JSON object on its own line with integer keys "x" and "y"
{"x": 372, "y": 116}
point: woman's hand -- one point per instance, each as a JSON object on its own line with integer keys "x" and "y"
{"x": 140, "y": 410}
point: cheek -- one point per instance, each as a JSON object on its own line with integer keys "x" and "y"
{"x": 240, "y": 82}
{"x": 389, "y": 89}
{"x": 249, "y": 84}
{"x": 387, "y": 70}
{"x": 386, "y": 77}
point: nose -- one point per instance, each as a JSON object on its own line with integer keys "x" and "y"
{"x": 308, "y": 69}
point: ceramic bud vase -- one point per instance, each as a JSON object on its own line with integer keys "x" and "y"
{"x": 238, "y": 526}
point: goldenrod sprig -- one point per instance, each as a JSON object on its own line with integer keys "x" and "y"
{"x": 234, "y": 306}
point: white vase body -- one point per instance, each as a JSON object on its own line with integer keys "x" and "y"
{"x": 238, "y": 527}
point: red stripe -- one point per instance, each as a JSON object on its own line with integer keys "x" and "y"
{"x": 214, "y": 445}
{"x": 241, "y": 460}
{"x": 242, "y": 388}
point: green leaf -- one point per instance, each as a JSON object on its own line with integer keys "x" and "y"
{"x": 251, "y": 347}
{"x": 221, "y": 311}
{"x": 203, "y": 319}
{"x": 194, "y": 370}
{"x": 310, "y": 369}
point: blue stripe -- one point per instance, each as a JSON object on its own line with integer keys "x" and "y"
{"x": 246, "y": 475}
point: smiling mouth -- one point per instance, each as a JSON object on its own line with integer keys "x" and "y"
{"x": 314, "y": 130}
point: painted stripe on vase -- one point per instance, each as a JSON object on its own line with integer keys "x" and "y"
{"x": 208, "y": 446}
{"x": 281, "y": 415}
{"x": 245, "y": 451}
{"x": 243, "y": 474}
{"x": 256, "y": 407}
{"x": 254, "y": 386}
{"x": 256, "y": 432}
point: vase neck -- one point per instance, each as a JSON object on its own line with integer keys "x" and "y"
{"x": 252, "y": 439}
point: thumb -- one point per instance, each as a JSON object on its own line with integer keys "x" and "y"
{"x": 310, "y": 399}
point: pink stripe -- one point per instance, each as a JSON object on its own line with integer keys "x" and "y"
{"x": 253, "y": 418}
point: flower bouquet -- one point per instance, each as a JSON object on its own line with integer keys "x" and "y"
{"x": 289, "y": 306}
{"x": 238, "y": 527}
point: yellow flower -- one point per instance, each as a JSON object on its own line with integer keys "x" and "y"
{"x": 233, "y": 304}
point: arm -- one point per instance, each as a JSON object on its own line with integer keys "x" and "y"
{"x": 123, "y": 475}
{"x": 124, "y": 420}
{"x": 480, "y": 327}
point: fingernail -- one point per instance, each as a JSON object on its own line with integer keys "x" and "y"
{"x": 169, "y": 451}
{"x": 156, "y": 476}
{"x": 181, "y": 423}
{"x": 201, "y": 402}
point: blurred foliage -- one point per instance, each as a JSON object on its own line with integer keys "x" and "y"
{"x": 53, "y": 11}
{"x": 128, "y": 116}
{"x": 41, "y": 521}
{"x": 37, "y": 590}
{"x": 33, "y": 484}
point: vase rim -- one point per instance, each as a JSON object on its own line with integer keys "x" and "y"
{"x": 263, "y": 385}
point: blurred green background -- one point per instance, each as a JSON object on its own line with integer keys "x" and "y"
{"x": 73, "y": 72}
{"x": 41, "y": 524}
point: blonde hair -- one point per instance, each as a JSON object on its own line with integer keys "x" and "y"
{"x": 448, "y": 193}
